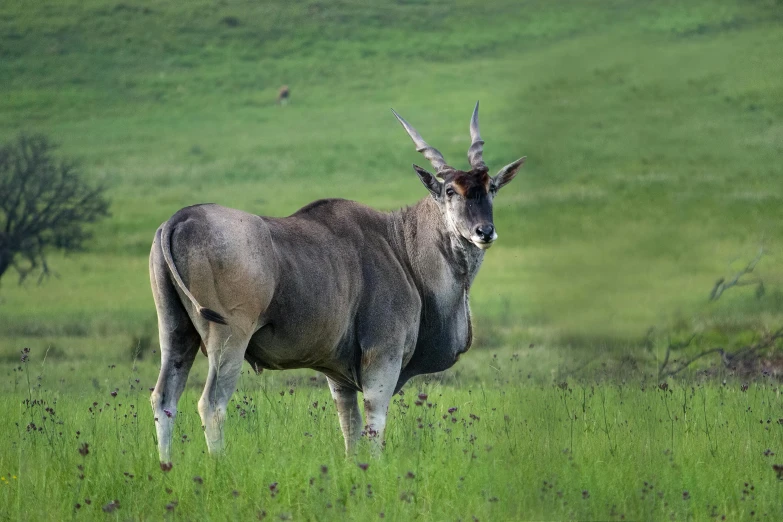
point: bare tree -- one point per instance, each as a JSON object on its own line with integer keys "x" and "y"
{"x": 744, "y": 358}
{"x": 721, "y": 285}
{"x": 44, "y": 205}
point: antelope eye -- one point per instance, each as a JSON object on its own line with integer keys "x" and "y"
{"x": 449, "y": 192}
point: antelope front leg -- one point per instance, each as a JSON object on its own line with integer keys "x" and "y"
{"x": 380, "y": 372}
{"x": 348, "y": 411}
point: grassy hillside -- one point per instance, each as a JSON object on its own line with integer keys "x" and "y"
{"x": 654, "y": 136}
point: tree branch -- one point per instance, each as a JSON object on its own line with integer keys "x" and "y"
{"x": 721, "y": 285}
{"x": 729, "y": 358}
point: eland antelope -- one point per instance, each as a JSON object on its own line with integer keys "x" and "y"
{"x": 369, "y": 299}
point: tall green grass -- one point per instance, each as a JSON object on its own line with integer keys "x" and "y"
{"x": 498, "y": 446}
{"x": 652, "y": 130}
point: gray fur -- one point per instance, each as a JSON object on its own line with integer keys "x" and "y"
{"x": 368, "y": 298}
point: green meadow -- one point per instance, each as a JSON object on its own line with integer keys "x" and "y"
{"x": 654, "y": 137}
{"x": 485, "y": 443}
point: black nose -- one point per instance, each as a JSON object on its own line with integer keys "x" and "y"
{"x": 485, "y": 232}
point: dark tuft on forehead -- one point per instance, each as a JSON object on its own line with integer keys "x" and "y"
{"x": 470, "y": 184}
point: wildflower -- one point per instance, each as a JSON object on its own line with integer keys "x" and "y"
{"x": 663, "y": 386}
{"x": 171, "y": 505}
{"x": 686, "y": 495}
{"x": 235, "y": 493}
{"x": 25, "y": 355}
{"x": 324, "y": 469}
{"x": 410, "y": 475}
{"x": 363, "y": 466}
{"x": 166, "y": 466}
{"x": 168, "y": 413}
{"x": 84, "y": 449}
{"x": 585, "y": 494}
{"x": 452, "y": 409}
{"x": 198, "y": 480}
{"x": 423, "y": 396}
{"x": 744, "y": 387}
{"x": 114, "y": 393}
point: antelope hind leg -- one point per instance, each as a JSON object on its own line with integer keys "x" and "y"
{"x": 179, "y": 343}
{"x": 226, "y": 355}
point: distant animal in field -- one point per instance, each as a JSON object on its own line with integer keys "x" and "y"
{"x": 368, "y": 298}
{"x": 283, "y": 94}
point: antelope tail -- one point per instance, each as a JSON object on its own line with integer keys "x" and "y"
{"x": 164, "y": 239}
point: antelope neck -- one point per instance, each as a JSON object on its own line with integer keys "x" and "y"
{"x": 422, "y": 235}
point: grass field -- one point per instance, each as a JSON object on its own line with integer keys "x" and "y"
{"x": 654, "y": 137}
{"x": 490, "y": 444}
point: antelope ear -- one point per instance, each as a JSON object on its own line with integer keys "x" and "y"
{"x": 433, "y": 185}
{"x": 508, "y": 172}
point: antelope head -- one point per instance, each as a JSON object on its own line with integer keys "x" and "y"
{"x": 464, "y": 197}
